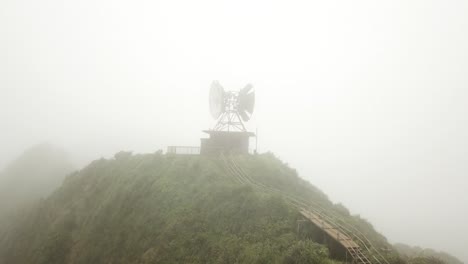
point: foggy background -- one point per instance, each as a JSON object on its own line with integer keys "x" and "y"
{"x": 367, "y": 99}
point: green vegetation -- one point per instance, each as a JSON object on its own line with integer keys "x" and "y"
{"x": 174, "y": 209}
{"x": 418, "y": 255}
{"x": 269, "y": 170}
{"x": 33, "y": 175}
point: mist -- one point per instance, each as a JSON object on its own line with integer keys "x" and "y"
{"x": 367, "y": 100}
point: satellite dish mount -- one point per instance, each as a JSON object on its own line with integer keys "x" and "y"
{"x": 231, "y": 108}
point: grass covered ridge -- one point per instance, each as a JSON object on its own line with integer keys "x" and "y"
{"x": 158, "y": 208}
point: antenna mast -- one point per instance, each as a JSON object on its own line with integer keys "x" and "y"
{"x": 231, "y": 108}
{"x": 230, "y": 119}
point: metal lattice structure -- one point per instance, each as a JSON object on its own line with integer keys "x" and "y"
{"x": 230, "y": 119}
{"x": 231, "y": 108}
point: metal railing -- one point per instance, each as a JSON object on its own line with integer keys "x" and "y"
{"x": 183, "y": 150}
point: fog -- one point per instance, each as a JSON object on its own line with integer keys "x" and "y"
{"x": 368, "y": 100}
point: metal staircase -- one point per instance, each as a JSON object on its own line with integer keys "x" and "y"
{"x": 352, "y": 248}
{"x": 358, "y": 256}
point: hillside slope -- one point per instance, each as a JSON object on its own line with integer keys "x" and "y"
{"x": 412, "y": 253}
{"x": 173, "y": 209}
{"x": 33, "y": 175}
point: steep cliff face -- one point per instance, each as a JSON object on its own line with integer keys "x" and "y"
{"x": 173, "y": 209}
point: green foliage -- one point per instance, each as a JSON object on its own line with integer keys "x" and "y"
{"x": 32, "y": 176}
{"x": 35, "y": 174}
{"x": 158, "y": 209}
{"x": 175, "y": 209}
{"x": 306, "y": 252}
{"x": 425, "y": 255}
{"x": 425, "y": 260}
{"x": 270, "y": 171}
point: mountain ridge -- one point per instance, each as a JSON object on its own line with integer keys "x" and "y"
{"x": 155, "y": 208}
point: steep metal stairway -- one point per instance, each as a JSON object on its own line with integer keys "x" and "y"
{"x": 326, "y": 223}
{"x": 344, "y": 240}
{"x": 358, "y": 256}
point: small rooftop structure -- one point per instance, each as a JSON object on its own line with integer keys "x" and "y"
{"x": 232, "y": 142}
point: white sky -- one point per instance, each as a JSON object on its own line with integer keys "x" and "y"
{"x": 367, "y": 99}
